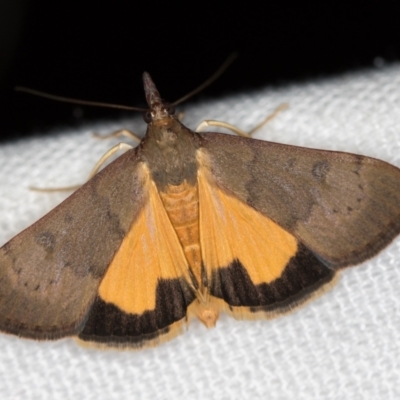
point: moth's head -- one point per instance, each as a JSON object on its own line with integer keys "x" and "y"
{"x": 159, "y": 109}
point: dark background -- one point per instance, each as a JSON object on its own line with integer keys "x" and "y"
{"x": 94, "y": 52}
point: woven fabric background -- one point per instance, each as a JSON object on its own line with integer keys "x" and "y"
{"x": 345, "y": 344}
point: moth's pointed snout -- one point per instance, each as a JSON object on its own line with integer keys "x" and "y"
{"x": 152, "y": 94}
{"x": 159, "y": 110}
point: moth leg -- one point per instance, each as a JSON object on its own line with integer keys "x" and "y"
{"x": 210, "y": 122}
{"x": 103, "y": 159}
{"x": 121, "y": 132}
{"x": 206, "y": 123}
{"x": 270, "y": 117}
{"x": 107, "y": 155}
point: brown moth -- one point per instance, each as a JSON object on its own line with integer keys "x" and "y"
{"x": 191, "y": 224}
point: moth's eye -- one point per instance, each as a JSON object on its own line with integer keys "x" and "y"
{"x": 147, "y": 117}
{"x": 171, "y": 109}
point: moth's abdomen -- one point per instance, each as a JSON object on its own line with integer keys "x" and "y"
{"x": 182, "y": 205}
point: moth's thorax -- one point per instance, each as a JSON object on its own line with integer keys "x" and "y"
{"x": 169, "y": 149}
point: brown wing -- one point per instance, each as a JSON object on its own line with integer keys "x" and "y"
{"x": 50, "y": 273}
{"x": 343, "y": 207}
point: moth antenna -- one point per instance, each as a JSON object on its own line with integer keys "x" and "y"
{"x": 76, "y": 101}
{"x": 210, "y": 80}
{"x": 152, "y": 94}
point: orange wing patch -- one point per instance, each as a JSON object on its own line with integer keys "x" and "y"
{"x": 151, "y": 251}
{"x": 256, "y": 268}
{"x": 231, "y": 230}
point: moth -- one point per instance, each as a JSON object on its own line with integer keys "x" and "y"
{"x": 188, "y": 225}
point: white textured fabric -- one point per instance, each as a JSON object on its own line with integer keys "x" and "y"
{"x": 344, "y": 345}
